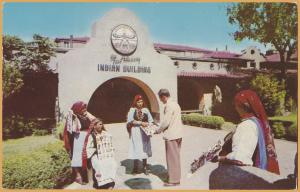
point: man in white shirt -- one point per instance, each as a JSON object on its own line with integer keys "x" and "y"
{"x": 171, "y": 126}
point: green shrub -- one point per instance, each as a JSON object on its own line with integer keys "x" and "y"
{"x": 59, "y": 131}
{"x": 291, "y": 118}
{"x": 45, "y": 168}
{"x": 271, "y": 92}
{"x": 198, "y": 120}
{"x": 291, "y": 105}
{"x": 16, "y": 126}
{"x": 40, "y": 132}
{"x": 292, "y": 132}
{"x": 278, "y": 130}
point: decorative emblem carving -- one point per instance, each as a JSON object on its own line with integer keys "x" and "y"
{"x": 124, "y": 39}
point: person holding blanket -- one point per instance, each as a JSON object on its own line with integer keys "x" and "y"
{"x": 252, "y": 142}
{"x": 77, "y": 123}
{"x": 138, "y": 118}
{"x": 99, "y": 151}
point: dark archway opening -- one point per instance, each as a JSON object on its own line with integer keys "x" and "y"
{"x": 188, "y": 94}
{"x": 111, "y": 101}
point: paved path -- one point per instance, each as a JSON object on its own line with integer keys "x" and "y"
{"x": 195, "y": 141}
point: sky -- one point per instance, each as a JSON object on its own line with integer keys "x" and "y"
{"x": 203, "y": 25}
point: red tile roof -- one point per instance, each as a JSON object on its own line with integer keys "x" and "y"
{"x": 222, "y": 55}
{"x": 212, "y": 75}
{"x": 160, "y": 46}
{"x": 172, "y": 47}
{"x": 273, "y": 58}
{"x": 276, "y": 57}
{"x": 75, "y": 39}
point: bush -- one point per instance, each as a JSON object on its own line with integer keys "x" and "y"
{"x": 59, "y": 131}
{"x": 46, "y": 168}
{"x": 271, "y": 92}
{"x": 198, "y": 120}
{"x": 40, "y": 132}
{"x": 278, "y": 130}
{"x": 17, "y": 126}
{"x": 291, "y": 105}
{"x": 292, "y": 132}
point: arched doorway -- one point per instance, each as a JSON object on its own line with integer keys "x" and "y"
{"x": 112, "y": 99}
{"x": 189, "y": 94}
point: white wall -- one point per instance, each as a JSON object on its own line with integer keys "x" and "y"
{"x": 78, "y": 74}
{"x": 187, "y": 66}
{"x": 254, "y": 53}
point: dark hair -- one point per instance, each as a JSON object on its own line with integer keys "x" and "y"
{"x": 136, "y": 99}
{"x": 94, "y": 122}
{"x": 163, "y": 92}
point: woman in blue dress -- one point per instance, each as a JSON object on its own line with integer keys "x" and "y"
{"x": 139, "y": 142}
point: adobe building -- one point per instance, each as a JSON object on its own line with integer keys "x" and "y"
{"x": 118, "y": 62}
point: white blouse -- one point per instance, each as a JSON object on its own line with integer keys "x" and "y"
{"x": 244, "y": 142}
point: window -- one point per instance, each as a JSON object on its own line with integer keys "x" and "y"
{"x": 252, "y": 64}
{"x": 67, "y": 44}
{"x": 244, "y": 65}
{"x": 220, "y": 65}
{"x": 228, "y": 68}
{"x": 252, "y": 51}
{"x": 176, "y": 63}
{"x": 194, "y": 65}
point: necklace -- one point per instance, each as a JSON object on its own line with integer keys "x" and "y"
{"x": 139, "y": 114}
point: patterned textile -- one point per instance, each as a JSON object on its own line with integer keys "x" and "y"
{"x": 72, "y": 123}
{"x": 101, "y": 151}
{"x": 139, "y": 142}
{"x": 150, "y": 130}
{"x": 104, "y": 146}
{"x": 73, "y": 127}
{"x": 78, "y": 106}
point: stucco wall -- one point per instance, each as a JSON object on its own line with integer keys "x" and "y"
{"x": 78, "y": 69}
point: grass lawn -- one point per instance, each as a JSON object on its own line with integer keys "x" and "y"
{"x": 25, "y": 145}
{"x": 290, "y": 118}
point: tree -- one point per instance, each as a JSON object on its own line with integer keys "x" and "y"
{"x": 20, "y": 57}
{"x": 37, "y": 54}
{"x": 12, "y": 76}
{"x": 268, "y": 23}
{"x": 12, "y": 79}
{"x": 271, "y": 92}
{"x": 11, "y": 45}
{"x": 28, "y": 56}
